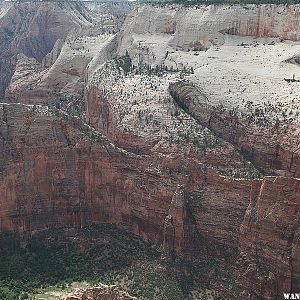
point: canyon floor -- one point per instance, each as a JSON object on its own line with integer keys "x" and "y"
{"x": 58, "y": 263}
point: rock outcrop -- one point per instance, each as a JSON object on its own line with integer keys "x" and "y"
{"x": 48, "y": 156}
{"x": 39, "y": 31}
{"x": 60, "y": 79}
{"x": 200, "y": 27}
{"x": 102, "y": 292}
{"x": 33, "y": 29}
{"x": 267, "y": 147}
{"x": 170, "y": 159}
{"x": 58, "y": 172}
{"x": 270, "y": 235}
{"x": 179, "y": 226}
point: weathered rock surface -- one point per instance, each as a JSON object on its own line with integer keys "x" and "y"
{"x": 58, "y": 172}
{"x": 223, "y": 95}
{"x": 270, "y": 235}
{"x": 61, "y": 69}
{"x": 72, "y": 176}
{"x": 267, "y": 147}
{"x": 237, "y": 89}
{"x": 137, "y": 113}
{"x": 33, "y": 29}
{"x": 102, "y": 292}
{"x": 201, "y": 26}
{"x": 60, "y": 79}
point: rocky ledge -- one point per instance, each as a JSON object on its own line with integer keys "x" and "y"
{"x": 58, "y": 172}
{"x": 103, "y": 292}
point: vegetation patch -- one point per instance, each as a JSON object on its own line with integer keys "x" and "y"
{"x": 125, "y": 63}
{"x": 55, "y": 262}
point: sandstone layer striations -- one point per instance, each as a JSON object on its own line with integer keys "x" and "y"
{"x": 181, "y": 126}
{"x": 59, "y": 172}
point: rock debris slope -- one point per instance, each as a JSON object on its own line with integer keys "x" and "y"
{"x": 181, "y": 126}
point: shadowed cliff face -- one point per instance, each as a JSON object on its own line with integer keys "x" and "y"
{"x": 58, "y": 172}
{"x": 33, "y": 29}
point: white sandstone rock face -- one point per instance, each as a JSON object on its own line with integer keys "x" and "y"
{"x": 242, "y": 64}
{"x": 203, "y": 26}
{"x": 138, "y": 110}
{"x": 237, "y": 53}
{"x": 77, "y": 53}
{"x": 64, "y": 71}
{"x": 238, "y": 63}
{"x": 33, "y": 29}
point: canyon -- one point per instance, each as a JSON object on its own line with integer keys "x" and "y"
{"x": 173, "y": 123}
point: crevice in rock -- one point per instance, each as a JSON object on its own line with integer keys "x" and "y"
{"x": 236, "y": 130}
{"x": 209, "y": 119}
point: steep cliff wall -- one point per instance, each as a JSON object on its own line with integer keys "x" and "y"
{"x": 80, "y": 178}
{"x": 270, "y": 236}
{"x": 32, "y": 29}
{"x": 58, "y": 172}
{"x": 203, "y": 26}
{"x": 51, "y": 169}
{"x": 268, "y": 147}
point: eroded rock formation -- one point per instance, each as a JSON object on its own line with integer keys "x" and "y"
{"x": 200, "y": 27}
{"x": 33, "y": 29}
{"x": 101, "y": 293}
{"x": 58, "y": 172}
{"x": 167, "y": 187}
{"x": 268, "y": 147}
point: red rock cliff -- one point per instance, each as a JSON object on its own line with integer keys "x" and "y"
{"x": 270, "y": 234}
{"x": 58, "y": 172}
